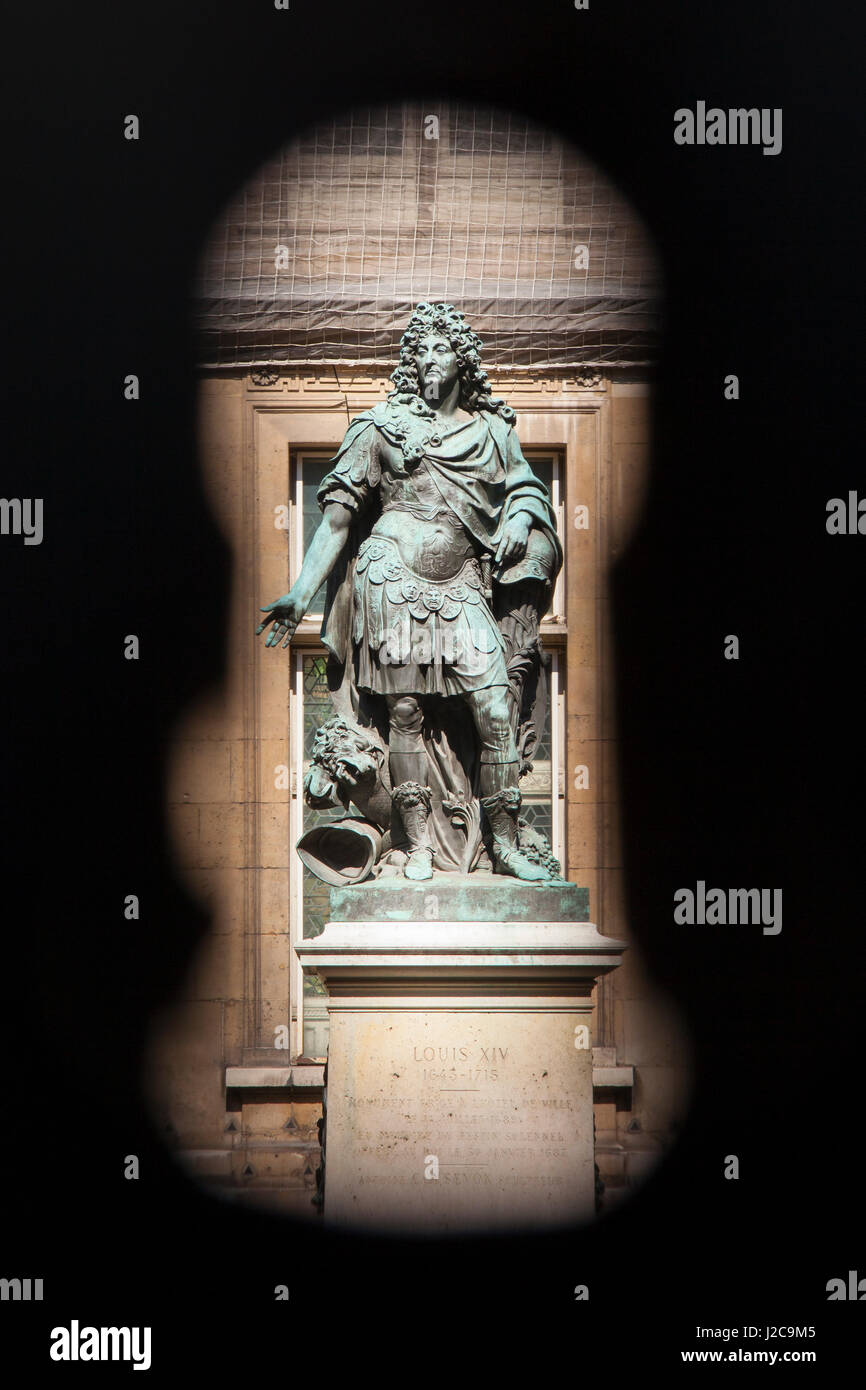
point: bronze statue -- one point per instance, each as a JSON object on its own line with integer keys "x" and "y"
{"x": 440, "y": 550}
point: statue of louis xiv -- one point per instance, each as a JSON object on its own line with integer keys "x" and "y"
{"x": 440, "y": 550}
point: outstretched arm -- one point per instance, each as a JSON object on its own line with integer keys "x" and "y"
{"x": 322, "y": 554}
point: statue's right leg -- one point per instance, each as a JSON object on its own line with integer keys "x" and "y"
{"x": 500, "y": 794}
{"x": 410, "y": 792}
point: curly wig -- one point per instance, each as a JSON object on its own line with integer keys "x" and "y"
{"x": 466, "y": 344}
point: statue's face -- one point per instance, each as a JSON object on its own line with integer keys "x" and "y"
{"x": 436, "y": 361}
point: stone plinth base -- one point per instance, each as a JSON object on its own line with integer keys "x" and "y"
{"x": 459, "y": 1094}
{"x": 478, "y": 897}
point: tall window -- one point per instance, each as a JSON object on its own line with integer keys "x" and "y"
{"x": 311, "y": 901}
{"x": 542, "y": 789}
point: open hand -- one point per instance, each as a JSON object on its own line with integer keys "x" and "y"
{"x": 512, "y": 546}
{"x": 285, "y": 614}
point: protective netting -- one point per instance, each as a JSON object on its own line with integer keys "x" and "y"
{"x": 323, "y": 255}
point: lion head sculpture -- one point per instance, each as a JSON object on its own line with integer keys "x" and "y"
{"x": 349, "y": 765}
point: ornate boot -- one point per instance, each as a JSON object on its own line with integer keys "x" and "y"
{"x": 501, "y": 809}
{"x": 412, "y": 800}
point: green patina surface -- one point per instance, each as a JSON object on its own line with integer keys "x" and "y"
{"x": 440, "y": 543}
{"x": 477, "y": 897}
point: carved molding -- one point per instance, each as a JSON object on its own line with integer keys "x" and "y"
{"x": 359, "y": 389}
{"x": 588, "y": 377}
{"x": 343, "y": 380}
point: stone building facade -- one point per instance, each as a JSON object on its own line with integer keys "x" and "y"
{"x": 236, "y": 1067}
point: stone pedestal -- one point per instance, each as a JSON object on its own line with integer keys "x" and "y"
{"x": 459, "y": 1094}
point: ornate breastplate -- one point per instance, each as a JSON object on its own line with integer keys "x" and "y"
{"x": 381, "y": 564}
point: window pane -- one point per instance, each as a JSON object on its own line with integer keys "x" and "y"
{"x": 536, "y": 791}
{"x": 317, "y": 708}
{"x": 543, "y": 469}
{"x": 537, "y": 787}
{"x": 312, "y": 472}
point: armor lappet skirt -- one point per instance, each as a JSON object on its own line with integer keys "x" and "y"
{"x": 420, "y": 636}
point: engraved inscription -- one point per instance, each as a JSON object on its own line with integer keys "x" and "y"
{"x": 501, "y": 1103}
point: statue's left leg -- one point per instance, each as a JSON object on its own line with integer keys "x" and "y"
{"x": 410, "y": 794}
{"x": 500, "y": 794}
